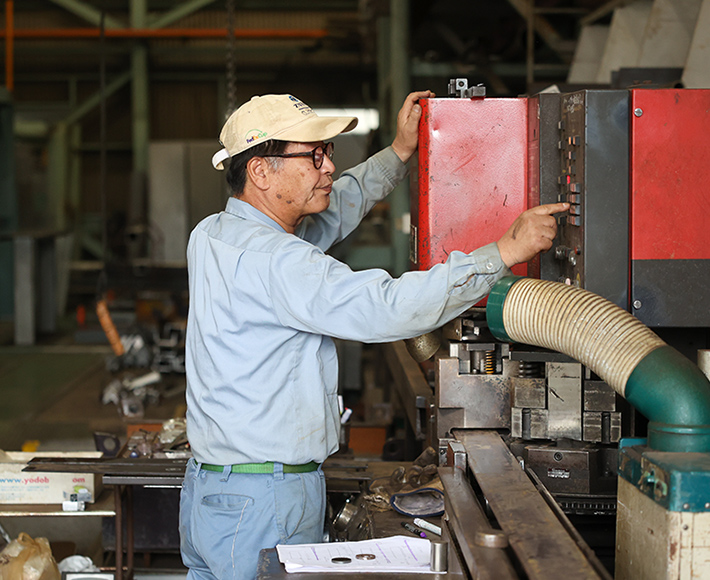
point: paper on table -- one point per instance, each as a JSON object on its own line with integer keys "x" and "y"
{"x": 394, "y": 554}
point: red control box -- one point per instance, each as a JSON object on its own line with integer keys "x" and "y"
{"x": 472, "y": 176}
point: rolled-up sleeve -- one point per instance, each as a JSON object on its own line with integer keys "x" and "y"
{"x": 313, "y": 292}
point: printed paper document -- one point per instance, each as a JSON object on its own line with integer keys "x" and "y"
{"x": 394, "y": 554}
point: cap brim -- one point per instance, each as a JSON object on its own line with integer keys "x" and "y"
{"x": 314, "y": 128}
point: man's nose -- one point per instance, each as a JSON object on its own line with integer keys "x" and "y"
{"x": 328, "y": 166}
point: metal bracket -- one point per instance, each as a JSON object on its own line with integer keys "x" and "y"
{"x": 456, "y": 455}
{"x": 459, "y": 88}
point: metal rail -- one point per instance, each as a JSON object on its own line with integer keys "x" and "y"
{"x": 541, "y": 544}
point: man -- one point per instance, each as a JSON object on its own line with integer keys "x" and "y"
{"x": 265, "y": 300}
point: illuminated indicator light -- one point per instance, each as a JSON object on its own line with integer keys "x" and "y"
{"x": 569, "y": 179}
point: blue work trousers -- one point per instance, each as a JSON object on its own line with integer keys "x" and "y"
{"x": 227, "y": 518}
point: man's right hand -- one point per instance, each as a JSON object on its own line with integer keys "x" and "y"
{"x": 532, "y": 232}
{"x": 407, "y": 138}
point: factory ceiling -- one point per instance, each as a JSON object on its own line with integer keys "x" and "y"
{"x": 277, "y": 42}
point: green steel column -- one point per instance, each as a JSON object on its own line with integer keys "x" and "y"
{"x": 383, "y": 78}
{"x": 58, "y": 156}
{"x": 383, "y": 109}
{"x": 8, "y": 205}
{"x": 399, "y": 89}
{"x": 74, "y": 186}
{"x": 139, "y": 65}
{"x": 140, "y": 111}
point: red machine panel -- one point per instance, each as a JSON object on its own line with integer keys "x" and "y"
{"x": 472, "y": 176}
{"x": 670, "y": 213}
{"x": 670, "y": 174}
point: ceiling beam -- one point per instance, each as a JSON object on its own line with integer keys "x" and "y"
{"x": 93, "y": 101}
{"x": 542, "y": 27}
{"x": 603, "y": 10}
{"x": 180, "y": 11}
{"x": 158, "y": 33}
{"x": 87, "y": 12}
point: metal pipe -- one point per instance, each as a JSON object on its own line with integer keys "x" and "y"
{"x": 157, "y": 33}
{"x": 9, "y": 45}
{"x": 660, "y": 382}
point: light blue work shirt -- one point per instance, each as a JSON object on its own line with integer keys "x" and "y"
{"x": 262, "y": 371}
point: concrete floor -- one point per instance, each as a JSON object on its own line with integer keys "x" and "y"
{"x": 51, "y": 393}
{"x": 50, "y": 396}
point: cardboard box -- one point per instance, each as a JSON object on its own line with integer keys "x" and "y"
{"x": 37, "y": 487}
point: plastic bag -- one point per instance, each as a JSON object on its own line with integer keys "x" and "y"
{"x": 77, "y": 563}
{"x": 27, "y": 559}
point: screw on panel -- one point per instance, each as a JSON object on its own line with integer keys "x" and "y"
{"x": 638, "y": 112}
{"x": 637, "y": 304}
{"x": 707, "y": 506}
{"x": 686, "y": 506}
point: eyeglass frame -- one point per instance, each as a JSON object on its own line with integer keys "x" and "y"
{"x": 312, "y": 154}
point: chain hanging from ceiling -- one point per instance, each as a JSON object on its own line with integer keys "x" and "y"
{"x": 231, "y": 60}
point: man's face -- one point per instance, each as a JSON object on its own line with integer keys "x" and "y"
{"x": 299, "y": 188}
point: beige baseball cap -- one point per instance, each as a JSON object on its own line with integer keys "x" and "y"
{"x": 282, "y": 117}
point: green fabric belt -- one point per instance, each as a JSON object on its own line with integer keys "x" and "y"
{"x": 267, "y": 467}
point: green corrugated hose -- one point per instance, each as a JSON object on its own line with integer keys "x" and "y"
{"x": 660, "y": 382}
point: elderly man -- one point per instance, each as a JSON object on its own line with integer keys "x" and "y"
{"x": 265, "y": 300}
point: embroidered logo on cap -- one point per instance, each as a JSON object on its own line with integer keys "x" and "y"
{"x": 255, "y": 135}
{"x": 301, "y": 106}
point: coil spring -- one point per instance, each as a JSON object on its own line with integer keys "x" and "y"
{"x": 529, "y": 370}
{"x": 489, "y": 362}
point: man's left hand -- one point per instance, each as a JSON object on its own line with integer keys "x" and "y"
{"x": 405, "y": 143}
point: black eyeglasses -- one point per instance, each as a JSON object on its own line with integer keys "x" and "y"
{"x": 317, "y": 154}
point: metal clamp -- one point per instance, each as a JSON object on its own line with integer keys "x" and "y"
{"x": 459, "y": 88}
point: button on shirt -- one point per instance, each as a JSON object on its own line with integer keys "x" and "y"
{"x": 261, "y": 366}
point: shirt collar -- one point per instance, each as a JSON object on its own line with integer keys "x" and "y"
{"x": 247, "y": 211}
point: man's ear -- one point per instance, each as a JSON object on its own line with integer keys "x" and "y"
{"x": 259, "y": 172}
